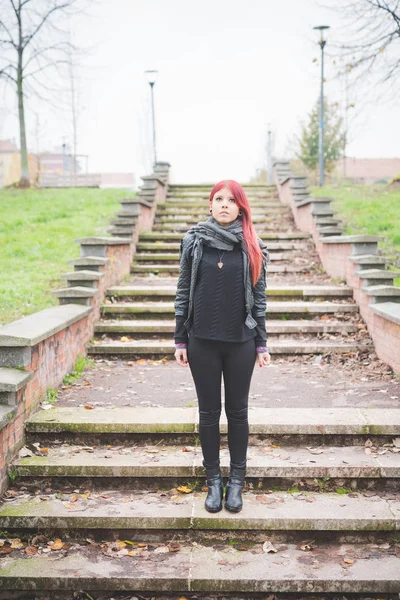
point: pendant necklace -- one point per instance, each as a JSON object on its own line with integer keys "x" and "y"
{"x": 221, "y": 264}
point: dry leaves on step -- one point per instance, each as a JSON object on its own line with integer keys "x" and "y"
{"x": 184, "y": 489}
{"x": 307, "y": 545}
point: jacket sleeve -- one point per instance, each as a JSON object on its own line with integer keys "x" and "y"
{"x": 181, "y": 304}
{"x": 260, "y": 300}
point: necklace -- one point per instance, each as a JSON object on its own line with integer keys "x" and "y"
{"x": 221, "y": 264}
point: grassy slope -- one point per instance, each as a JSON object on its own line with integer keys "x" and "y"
{"x": 37, "y": 233}
{"x": 370, "y": 209}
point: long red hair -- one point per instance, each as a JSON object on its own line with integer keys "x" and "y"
{"x": 249, "y": 233}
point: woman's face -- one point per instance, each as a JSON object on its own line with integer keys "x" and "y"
{"x": 224, "y": 207}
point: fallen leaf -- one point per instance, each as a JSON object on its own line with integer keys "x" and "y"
{"x": 30, "y": 550}
{"x": 88, "y": 407}
{"x": 348, "y": 561}
{"x": 57, "y": 544}
{"x": 184, "y": 489}
{"x": 174, "y": 547}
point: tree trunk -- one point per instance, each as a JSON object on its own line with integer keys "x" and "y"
{"x": 24, "y": 179}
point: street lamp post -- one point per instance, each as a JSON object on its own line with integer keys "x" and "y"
{"x": 151, "y": 79}
{"x": 321, "y": 150}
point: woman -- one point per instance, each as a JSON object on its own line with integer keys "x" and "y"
{"x": 220, "y": 329}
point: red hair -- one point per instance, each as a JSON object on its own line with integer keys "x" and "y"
{"x": 249, "y": 233}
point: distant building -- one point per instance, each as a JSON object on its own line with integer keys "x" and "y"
{"x": 10, "y": 166}
{"x": 359, "y": 171}
{"x": 368, "y": 170}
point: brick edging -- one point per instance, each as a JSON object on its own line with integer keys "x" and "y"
{"x": 354, "y": 259}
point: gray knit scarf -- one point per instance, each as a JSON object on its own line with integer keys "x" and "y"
{"x": 211, "y": 233}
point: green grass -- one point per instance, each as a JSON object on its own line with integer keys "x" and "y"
{"x": 371, "y": 209}
{"x": 80, "y": 366}
{"x": 37, "y": 233}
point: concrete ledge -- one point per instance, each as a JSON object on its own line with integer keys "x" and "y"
{"x": 314, "y": 200}
{"x": 82, "y": 275}
{"x": 353, "y": 239}
{"x": 102, "y": 241}
{"x": 366, "y": 259}
{"x": 75, "y": 292}
{"x": 388, "y": 310}
{"x": 34, "y": 328}
{"x": 89, "y": 260}
{"x": 382, "y": 290}
{"x": 7, "y": 413}
{"x": 12, "y": 380}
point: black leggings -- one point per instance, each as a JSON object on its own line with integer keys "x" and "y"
{"x": 208, "y": 359}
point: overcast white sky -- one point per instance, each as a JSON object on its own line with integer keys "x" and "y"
{"x": 227, "y": 68}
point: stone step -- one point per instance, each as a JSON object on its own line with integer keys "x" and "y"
{"x": 277, "y": 511}
{"x": 171, "y": 246}
{"x": 174, "y": 269}
{"x": 183, "y": 227}
{"x": 273, "y": 308}
{"x": 163, "y": 327}
{"x": 292, "y": 291}
{"x": 283, "y": 347}
{"x": 193, "y": 219}
{"x": 318, "y": 422}
{"x": 170, "y": 257}
{"x": 169, "y": 208}
{"x": 171, "y": 462}
{"x": 171, "y": 236}
{"x": 331, "y": 567}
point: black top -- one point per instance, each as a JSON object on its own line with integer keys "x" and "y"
{"x": 219, "y": 310}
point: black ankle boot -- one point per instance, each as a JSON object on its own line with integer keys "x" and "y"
{"x": 233, "y": 496}
{"x": 215, "y": 485}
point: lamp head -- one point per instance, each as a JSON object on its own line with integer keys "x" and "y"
{"x": 151, "y": 76}
{"x": 321, "y": 28}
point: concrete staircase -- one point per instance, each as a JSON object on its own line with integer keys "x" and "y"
{"x": 138, "y": 316}
{"x": 109, "y": 500}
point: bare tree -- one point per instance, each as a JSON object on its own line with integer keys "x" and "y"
{"x": 32, "y": 44}
{"x": 370, "y": 40}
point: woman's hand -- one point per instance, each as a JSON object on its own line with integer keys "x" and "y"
{"x": 263, "y": 358}
{"x": 181, "y": 356}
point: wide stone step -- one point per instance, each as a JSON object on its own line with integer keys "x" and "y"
{"x": 273, "y": 308}
{"x": 171, "y": 462}
{"x": 171, "y": 246}
{"x": 274, "y": 327}
{"x": 174, "y": 269}
{"x": 284, "y": 347}
{"x": 278, "y": 511}
{"x": 318, "y": 422}
{"x": 150, "y": 257}
{"x": 193, "y": 219}
{"x": 171, "y": 236}
{"x": 196, "y": 569}
{"x": 172, "y": 226}
{"x": 293, "y": 291}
